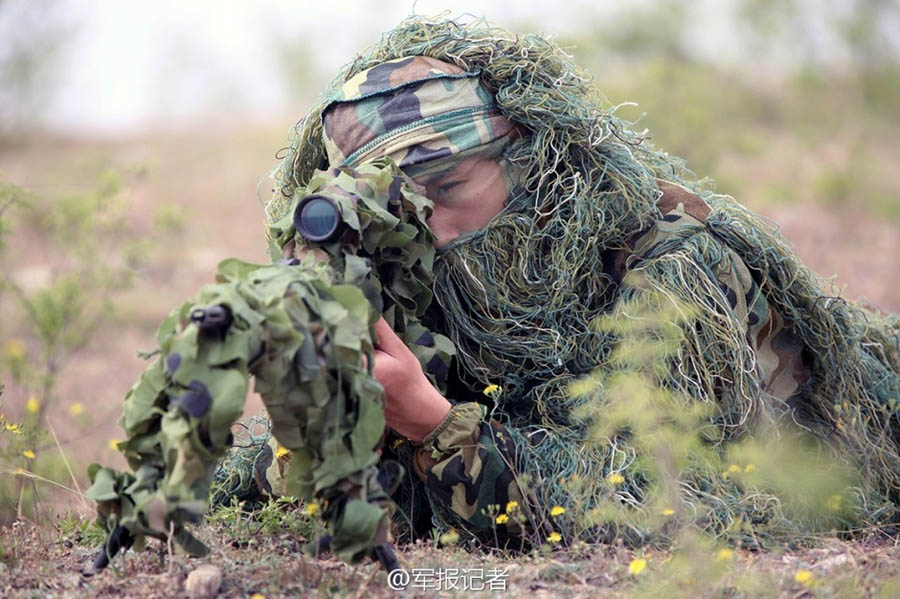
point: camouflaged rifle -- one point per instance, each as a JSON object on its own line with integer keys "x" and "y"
{"x": 302, "y": 329}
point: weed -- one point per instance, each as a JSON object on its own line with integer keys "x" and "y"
{"x": 74, "y": 529}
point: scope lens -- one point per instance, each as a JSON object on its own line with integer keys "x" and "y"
{"x": 317, "y": 219}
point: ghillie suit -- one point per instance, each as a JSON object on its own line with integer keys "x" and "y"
{"x": 598, "y": 220}
{"x": 303, "y": 330}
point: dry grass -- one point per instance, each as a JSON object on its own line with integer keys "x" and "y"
{"x": 272, "y": 565}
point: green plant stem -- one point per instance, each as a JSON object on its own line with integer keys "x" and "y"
{"x": 28, "y": 474}
{"x": 68, "y": 467}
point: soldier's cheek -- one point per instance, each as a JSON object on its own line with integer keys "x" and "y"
{"x": 441, "y": 223}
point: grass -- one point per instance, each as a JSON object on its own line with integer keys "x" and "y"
{"x": 257, "y": 558}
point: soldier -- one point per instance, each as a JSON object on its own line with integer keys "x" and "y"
{"x": 548, "y": 213}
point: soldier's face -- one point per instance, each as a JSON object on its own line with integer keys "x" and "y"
{"x": 466, "y": 197}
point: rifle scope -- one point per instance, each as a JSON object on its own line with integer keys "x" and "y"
{"x": 317, "y": 219}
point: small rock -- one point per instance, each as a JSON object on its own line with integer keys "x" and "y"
{"x": 204, "y": 582}
{"x": 833, "y": 562}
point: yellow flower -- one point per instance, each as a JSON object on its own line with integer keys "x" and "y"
{"x": 14, "y": 428}
{"x": 512, "y": 506}
{"x": 312, "y": 509}
{"x": 14, "y": 349}
{"x": 451, "y": 537}
{"x": 615, "y": 478}
{"x": 833, "y": 503}
{"x": 557, "y": 510}
{"x": 257, "y": 596}
{"x": 113, "y": 444}
{"x": 735, "y": 469}
{"x": 724, "y": 554}
{"x": 804, "y": 577}
{"x": 668, "y": 512}
{"x": 554, "y": 537}
{"x": 33, "y": 405}
{"x": 502, "y": 518}
{"x": 76, "y": 409}
{"x": 28, "y": 454}
{"x": 637, "y": 566}
{"x": 282, "y": 451}
{"x": 493, "y": 391}
{"x": 749, "y": 467}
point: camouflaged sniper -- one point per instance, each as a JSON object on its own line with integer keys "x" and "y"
{"x": 302, "y": 329}
{"x": 595, "y": 202}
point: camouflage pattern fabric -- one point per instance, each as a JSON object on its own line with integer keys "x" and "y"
{"x": 778, "y": 351}
{"x": 304, "y": 338}
{"x": 386, "y": 250}
{"x": 471, "y": 467}
{"x": 415, "y": 110}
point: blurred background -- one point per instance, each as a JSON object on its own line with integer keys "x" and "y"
{"x": 136, "y": 139}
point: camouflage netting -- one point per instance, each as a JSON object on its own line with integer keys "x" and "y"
{"x": 236, "y": 476}
{"x": 519, "y": 296}
{"x": 303, "y": 329}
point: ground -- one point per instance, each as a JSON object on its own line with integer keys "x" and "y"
{"x": 273, "y": 566}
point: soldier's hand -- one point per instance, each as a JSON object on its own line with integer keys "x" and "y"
{"x": 413, "y": 407}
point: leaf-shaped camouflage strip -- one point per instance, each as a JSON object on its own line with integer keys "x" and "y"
{"x": 304, "y": 335}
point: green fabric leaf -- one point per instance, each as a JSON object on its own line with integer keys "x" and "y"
{"x": 104, "y": 486}
{"x": 354, "y": 534}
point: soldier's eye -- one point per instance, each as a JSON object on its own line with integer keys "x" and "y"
{"x": 445, "y": 187}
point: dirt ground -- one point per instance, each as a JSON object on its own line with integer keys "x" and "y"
{"x": 273, "y": 566}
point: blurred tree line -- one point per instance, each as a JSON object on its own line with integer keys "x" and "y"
{"x": 33, "y": 38}
{"x": 820, "y": 43}
{"x": 783, "y": 100}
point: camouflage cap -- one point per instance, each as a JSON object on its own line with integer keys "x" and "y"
{"x": 414, "y": 109}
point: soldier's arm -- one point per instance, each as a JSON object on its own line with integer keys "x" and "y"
{"x": 473, "y": 467}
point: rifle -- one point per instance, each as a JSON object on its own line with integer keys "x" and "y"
{"x": 303, "y": 328}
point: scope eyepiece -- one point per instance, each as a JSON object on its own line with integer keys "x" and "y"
{"x": 317, "y": 219}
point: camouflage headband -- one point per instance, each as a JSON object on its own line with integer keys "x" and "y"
{"x": 414, "y": 109}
